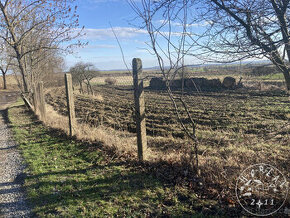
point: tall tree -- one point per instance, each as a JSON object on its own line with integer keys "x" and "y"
{"x": 256, "y": 28}
{"x": 232, "y": 30}
{"x": 34, "y": 27}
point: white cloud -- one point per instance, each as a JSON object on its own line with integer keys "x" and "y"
{"x": 142, "y": 50}
{"x": 103, "y": 34}
{"x": 178, "y": 24}
{"x": 92, "y": 46}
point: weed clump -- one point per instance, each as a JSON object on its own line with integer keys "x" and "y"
{"x": 110, "y": 81}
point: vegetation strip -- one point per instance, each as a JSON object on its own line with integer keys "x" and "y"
{"x": 70, "y": 178}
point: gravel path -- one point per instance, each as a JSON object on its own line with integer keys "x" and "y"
{"x": 12, "y": 197}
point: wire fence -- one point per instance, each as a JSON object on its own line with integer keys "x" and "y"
{"x": 112, "y": 104}
{"x": 232, "y": 125}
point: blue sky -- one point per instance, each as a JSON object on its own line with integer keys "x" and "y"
{"x": 103, "y": 50}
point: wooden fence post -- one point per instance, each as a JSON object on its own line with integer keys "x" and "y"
{"x": 70, "y": 103}
{"x": 41, "y": 101}
{"x": 139, "y": 109}
{"x": 26, "y": 101}
{"x": 35, "y": 99}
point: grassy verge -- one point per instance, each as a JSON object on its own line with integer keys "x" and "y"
{"x": 70, "y": 178}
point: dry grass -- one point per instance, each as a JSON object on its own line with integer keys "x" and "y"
{"x": 220, "y": 166}
{"x": 123, "y": 144}
{"x": 255, "y": 132}
{"x": 97, "y": 97}
{"x": 264, "y": 86}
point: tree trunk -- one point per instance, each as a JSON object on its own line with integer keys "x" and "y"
{"x": 22, "y": 71}
{"x": 92, "y": 92}
{"x": 88, "y": 90}
{"x": 25, "y": 88}
{"x": 282, "y": 66}
{"x": 90, "y": 87}
{"x": 4, "y": 81}
{"x": 287, "y": 78}
{"x": 81, "y": 88}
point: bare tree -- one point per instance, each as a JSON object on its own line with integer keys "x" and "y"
{"x": 256, "y": 28}
{"x": 31, "y": 28}
{"x": 77, "y": 76}
{"x": 84, "y": 73}
{"x": 234, "y": 30}
{"x": 90, "y": 73}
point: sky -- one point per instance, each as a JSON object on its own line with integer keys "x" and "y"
{"x": 97, "y": 16}
{"x": 102, "y": 49}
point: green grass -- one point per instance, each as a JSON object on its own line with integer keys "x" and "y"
{"x": 73, "y": 179}
{"x": 17, "y": 103}
{"x": 276, "y": 76}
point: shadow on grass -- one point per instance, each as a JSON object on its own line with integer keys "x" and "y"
{"x": 97, "y": 179}
{"x": 53, "y": 194}
{"x": 93, "y": 189}
{"x": 92, "y": 175}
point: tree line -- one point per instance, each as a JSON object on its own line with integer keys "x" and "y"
{"x": 33, "y": 35}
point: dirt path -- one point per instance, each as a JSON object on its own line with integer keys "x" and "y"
{"x": 12, "y": 197}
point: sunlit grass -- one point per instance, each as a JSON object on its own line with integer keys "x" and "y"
{"x": 72, "y": 179}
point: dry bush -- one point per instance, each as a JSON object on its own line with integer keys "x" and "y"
{"x": 110, "y": 81}
{"x": 229, "y": 82}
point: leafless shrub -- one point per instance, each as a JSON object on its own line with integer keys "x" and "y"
{"x": 84, "y": 73}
